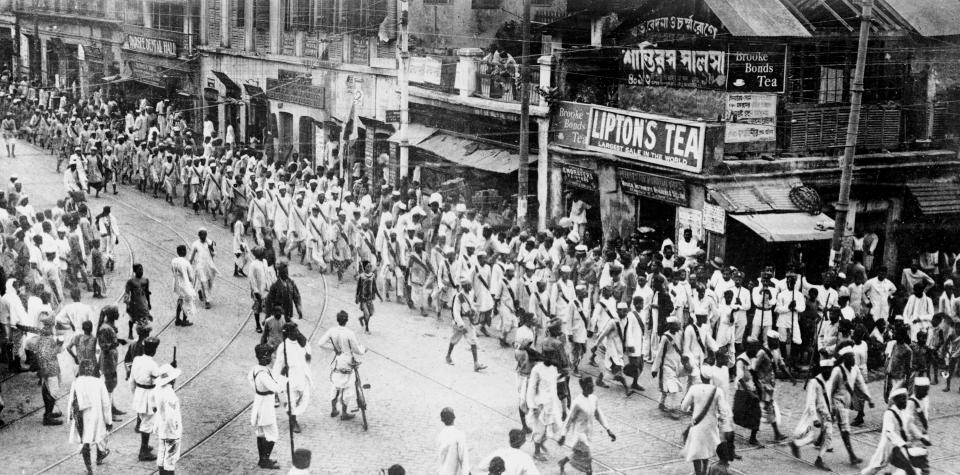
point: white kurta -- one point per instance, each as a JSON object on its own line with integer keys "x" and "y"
{"x": 703, "y": 438}
{"x": 205, "y": 270}
{"x": 183, "y": 277}
{"x": 454, "y": 457}
{"x": 93, "y": 401}
{"x": 299, "y": 373}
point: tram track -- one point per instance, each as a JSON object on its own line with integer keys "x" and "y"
{"x": 223, "y": 425}
{"x": 209, "y": 361}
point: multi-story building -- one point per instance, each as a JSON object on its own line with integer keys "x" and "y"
{"x": 701, "y": 114}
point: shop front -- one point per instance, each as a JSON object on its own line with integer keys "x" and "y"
{"x": 771, "y": 222}
{"x": 159, "y": 65}
{"x": 633, "y": 171}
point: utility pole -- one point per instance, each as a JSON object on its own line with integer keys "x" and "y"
{"x": 404, "y": 81}
{"x": 522, "y": 180}
{"x": 853, "y": 130}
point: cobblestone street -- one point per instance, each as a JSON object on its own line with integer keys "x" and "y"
{"x": 410, "y": 382}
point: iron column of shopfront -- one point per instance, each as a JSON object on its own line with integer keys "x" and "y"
{"x": 853, "y": 130}
{"x": 522, "y": 181}
{"x": 404, "y": 81}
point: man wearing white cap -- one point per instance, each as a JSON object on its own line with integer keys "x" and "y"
{"x": 918, "y": 406}
{"x": 365, "y": 243}
{"x": 482, "y": 285}
{"x": 316, "y": 239}
{"x": 540, "y": 305}
{"x": 168, "y": 420}
{"x": 201, "y": 257}
{"x": 449, "y": 222}
{"x": 562, "y": 295}
{"x": 342, "y": 249}
{"x": 667, "y": 367}
{"x": 420, "y": 276}
{"x": 257, "y": 215}
{"x": 846, "y": 382}
{"x": 405, "y": 246}
{"x": 465, "y": 316}
{"x": 948, "y": 299}
{"x": 281, "y": 218}
{"x": 894, "y": 435}
{"x": 299, "y": 213}
{"x": 507, "y": 302}
{"x": 446, "y": 283}
{"x": 52, "y": 277}
{"x": 389, "y": 270}
{"x": 465, "y": 265}
{"x": 816, "y": 421}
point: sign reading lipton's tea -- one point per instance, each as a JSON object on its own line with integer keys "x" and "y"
{"x": 665, "y": 141}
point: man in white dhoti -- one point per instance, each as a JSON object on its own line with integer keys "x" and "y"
{"x": 545, "y": 414}
{"x": 143, "y": 374}
{"x": 201, "y": 257}
{"x": 293, "y": 361}
{"x": 894, "y": 434}
{"x": 342, "y": 377}
{"x": 90, "y": 418}
{"x": 184, "y": 287}
{"x": 263, "y": 415}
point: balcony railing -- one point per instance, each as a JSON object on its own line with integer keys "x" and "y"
{"x": 87, "y": 9}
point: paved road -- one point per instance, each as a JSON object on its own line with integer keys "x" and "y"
{"x": 405, "y": 367}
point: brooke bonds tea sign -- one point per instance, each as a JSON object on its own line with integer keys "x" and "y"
{"x": 665, "y": 141}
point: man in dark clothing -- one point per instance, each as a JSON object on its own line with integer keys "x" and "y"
{"x": 284, "y": 293}
{"x": 137, "y": 297}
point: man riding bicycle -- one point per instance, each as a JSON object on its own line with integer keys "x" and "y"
{"x": 342, "y": 374}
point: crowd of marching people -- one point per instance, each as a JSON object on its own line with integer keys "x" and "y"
{"x": 575, "y": 310}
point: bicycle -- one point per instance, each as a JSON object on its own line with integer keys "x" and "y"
{"x": 361, "y": 398}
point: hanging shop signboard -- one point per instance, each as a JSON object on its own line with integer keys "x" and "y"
{"x": 673, "y": 143}
{"x": 155, "y": 46}
{"x": 660, "y": 188}
{"x": 660, "y": 140}
{"x": 579, "y": 177}
{"x": 674, "y": 68}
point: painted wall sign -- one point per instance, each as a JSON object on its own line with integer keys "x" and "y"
{"x": 152, "y": 45}
{"x": 673, "y": 24}
{"x": 670, "y": 67}
{"x": 757, "y": 70}
{"x": 750, "y": 118}
{"x": 665, "y": 141}
{"x": 578, "y": 177}
{"x": 660, "y": 188}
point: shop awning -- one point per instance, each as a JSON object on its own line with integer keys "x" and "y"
{"x": 754, "y": 197}
{"x": 788, "y": 227}
{"x": 416, "y": 133}
{"x": 473, "y": 153}
{"x": 929, "y": 17}
{"x": 936, "y": 198}
{"x": 233, "y": 90}
{"x": 757, "y": 18}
